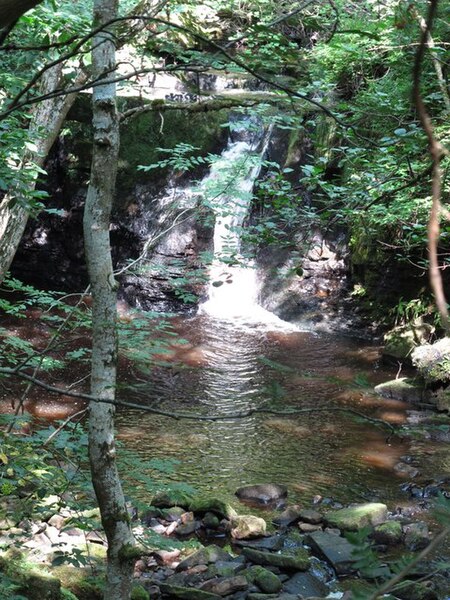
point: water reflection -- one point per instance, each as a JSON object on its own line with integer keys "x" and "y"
{"x": 326, "y": 453}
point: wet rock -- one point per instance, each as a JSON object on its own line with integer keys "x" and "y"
{"x": 336, "y": 550}
{"x": 311, "y": 516}
{"x": 204, "y": 556}
{"x": 264, "y": 493}
{"x": 214, "y": 505}
{"x": 406, "y": 470}
{"x": 307, "y": 585}
{"x": 433, "y": 361}
{"x": 358, "y": 516}
{"x": 289, "y": 516}
{"x": 389, "y": 533}
{"x": 183, "y": 593}
{"x": 407, "y": 390}
{"x": 416, "y": 535}
{"x": 247, "y": 527}
{"x": 225, "y": 586}
{"x": 267, "y": 581}
{"x": 298, "y": 561}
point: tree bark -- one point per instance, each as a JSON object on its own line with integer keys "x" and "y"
{"x": 105, "y": 478}
{"x": 44, "y": 128}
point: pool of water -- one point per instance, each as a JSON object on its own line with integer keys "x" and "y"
{"x": 237, "y": 366}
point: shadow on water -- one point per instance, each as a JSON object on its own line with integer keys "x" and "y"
{"x": 247, "y": 367}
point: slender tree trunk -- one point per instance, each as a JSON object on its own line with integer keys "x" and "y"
{"x": 121, "y": 550}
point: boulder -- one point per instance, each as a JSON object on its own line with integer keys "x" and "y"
{"x": 389, "y": 533}
{"x": 263, "y": 493}
{"x": 247, "y": 527}
{"x": 400, "y": 342}
{"x": 433, "y": 361}
{"x": 358, "y": 516}
{"x": 404, "y": 389}
{"x": 297, "y": 561}
{"x": 313, "y": 517}
{"x": 204, "y": 505}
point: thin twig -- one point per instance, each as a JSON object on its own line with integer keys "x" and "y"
{"x": 66, "y": 422}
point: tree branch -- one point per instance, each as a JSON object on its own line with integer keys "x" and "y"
{"x": 191, "y": 416}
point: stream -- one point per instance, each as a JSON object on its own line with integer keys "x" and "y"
{"x": 233, "y": 366}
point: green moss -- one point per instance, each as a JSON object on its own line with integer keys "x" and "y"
{"x": 139, "y": 593}
{"x": 29, "y": 580}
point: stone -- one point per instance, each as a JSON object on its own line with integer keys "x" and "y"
{"x": 211, "y": 521}
{"x": 297, "y": 561}
{"x": 57, "y": 521}
{"x": 201, "y": 504}
{"x": 273, "y": 543}
{"x": 411, "y": 590}
{"x": 308, "y": 527}
{"x": 204, "y": 556}
{"x": 174, "y": 513}
{"x": 311, "y": 516}
{"x": 389, "y": 533}
{"x": 337, "y": 551}
{"x": 248, "y": 527}
{"x": 290, "y": 515}
{"x": 357, "y": 516}
{"x": 433, "y": 361}
{"x": 307, "y": 585}
{"x": 225, "y": 586}
{"x": 172, "y": 498}
{"x": 404, "y": 389}
{"x": 174, "y": 592}
{"x": 263, "y": 493}
{"x": 402, "y": 340}
{"x": 166, "y": 557}
{"x": 187, "y": 528}
{"x": 416, "y": 535}
{"x": 267, "y": 581}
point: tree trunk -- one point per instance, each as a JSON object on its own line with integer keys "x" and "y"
{"x": 45, "y": 126}
{"x": 11, "y": 10}
{"x": 116, "y": 523}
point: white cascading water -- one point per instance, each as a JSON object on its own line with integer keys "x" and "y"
{"x": 233, "y": 289}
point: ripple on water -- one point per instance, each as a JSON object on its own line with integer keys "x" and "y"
{"x": 326, "y": 453}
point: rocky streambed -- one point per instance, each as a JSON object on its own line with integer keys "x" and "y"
{"x": 302, "y": 552}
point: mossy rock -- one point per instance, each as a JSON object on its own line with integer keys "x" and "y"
{"x": 433, "y": 361}
{"x": 267, "y": 581}
{"x": 31, "y": 581}
{"x": 404, "y": 389}
{"x": 401, "y": 341}
{"x": 411, "y": 590}
{"x": 80, "y": 582}
{"x": 354, "y": 518}
{"x": 200, "y": 504}
{"x": 139, "y": 593}
{"x": 297, "y": 561}
{"x": 389, "y": 533}
{"x": 183, "y": 593}
{"x": 172, "y": 498}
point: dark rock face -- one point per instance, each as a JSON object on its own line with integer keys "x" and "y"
{"x": 51, "y": 255}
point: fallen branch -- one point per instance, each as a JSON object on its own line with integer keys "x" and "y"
{"x": 191, "y": 416}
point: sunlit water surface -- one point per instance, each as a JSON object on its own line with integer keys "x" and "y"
{"x": 233, "y": 366}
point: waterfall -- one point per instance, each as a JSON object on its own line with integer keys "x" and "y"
{"x": 228, "y": 191}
